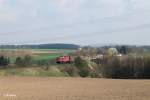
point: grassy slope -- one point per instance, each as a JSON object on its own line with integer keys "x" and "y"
{"x": 32, "y": 71}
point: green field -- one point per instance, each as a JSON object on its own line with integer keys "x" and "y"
{"x": 39, "y": 54}
{"x": 47, "y": 54}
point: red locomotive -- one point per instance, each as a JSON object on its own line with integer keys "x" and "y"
{"x": 63, "y": 59}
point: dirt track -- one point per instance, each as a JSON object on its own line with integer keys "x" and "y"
{"x": 12, "y": 88}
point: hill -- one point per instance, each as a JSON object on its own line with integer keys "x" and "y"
{"x": 42, "y": 46}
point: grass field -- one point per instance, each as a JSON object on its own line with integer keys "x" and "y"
{"x": 25, "y": 88}
{"x": 48, "y": 54}
{"x": 37, "y": 54}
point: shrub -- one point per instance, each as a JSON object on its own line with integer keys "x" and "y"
{"x": 79, "y": 62}
{"x": 83, "y": 67}
{"x": 84, "y": 72}
{"x": 26, "y": 61}
{"x": 94, "y": 74}
{"x": 19, "y": 61}
{"x": 4, "y": 61}
{"x": 70, "y": 70}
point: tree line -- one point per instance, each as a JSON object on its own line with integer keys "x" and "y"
{"x": 126, "y": 67}
{"x": 42, "y": 46}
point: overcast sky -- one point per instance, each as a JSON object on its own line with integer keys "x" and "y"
{"x": 75, "y": 21}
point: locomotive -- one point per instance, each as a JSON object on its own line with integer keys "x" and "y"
{"x": 63, "y": 59}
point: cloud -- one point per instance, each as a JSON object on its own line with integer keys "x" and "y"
{"x": 6, "y": 14}
{"x": 43, "y": 18}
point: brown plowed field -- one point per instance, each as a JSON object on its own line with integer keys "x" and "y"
{"x": 25, "y": 88}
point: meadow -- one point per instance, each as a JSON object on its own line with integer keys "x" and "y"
{"x": 37, "y": 54}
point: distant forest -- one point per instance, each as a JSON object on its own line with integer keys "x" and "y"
{"x": 124, "y": 48}
{"x": 42, "y": 46}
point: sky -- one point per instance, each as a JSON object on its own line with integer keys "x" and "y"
{"x": 84, "y": 22}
